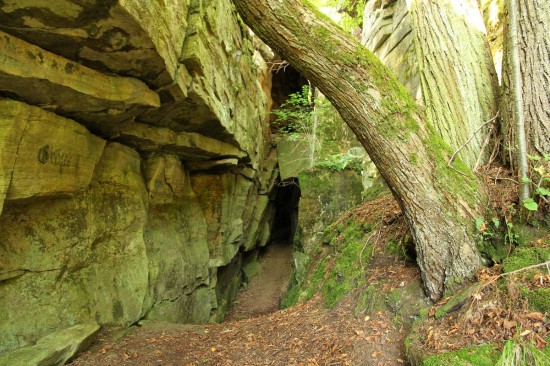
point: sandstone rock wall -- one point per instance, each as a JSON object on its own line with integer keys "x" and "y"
{"x": 134, "y": 161}
{"x": 387, "y": 32}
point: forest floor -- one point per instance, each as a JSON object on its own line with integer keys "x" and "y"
{"x": 257, "y": 333}
{"x": 264, "y": 291}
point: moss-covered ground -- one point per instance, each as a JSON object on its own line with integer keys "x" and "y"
{"x": 509, "y": 301}
{"x": 340, "y": 262}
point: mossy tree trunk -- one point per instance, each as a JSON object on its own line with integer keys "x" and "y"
{"x": 439, "y": 202}
{"x": 534, "y": 59}
{"x": 457, "y": 74}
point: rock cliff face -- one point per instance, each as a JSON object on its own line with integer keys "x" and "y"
{"x": 388, "y": 33}
{"x": 134, "y": 161}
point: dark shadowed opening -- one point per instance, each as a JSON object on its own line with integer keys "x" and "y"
{"x": 286, "y": 211}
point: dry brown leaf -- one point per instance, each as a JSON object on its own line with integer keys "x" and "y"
{"x": 535, "y": 316}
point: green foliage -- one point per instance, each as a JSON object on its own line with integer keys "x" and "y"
{"x": 295, "y": 117}
{"x": 350, "y": 160}
{"x": 540, "y": 177}
{"x": 497, "y": 240}
{"x": 519, "y": 353}
{"x": 351, "y": 11}
{"x": 314, "y": 121}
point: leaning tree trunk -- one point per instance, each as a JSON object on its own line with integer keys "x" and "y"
{"x": 457, "y": 73}
{"x": 534, "y": 59}
{"x": 439, "y": 202}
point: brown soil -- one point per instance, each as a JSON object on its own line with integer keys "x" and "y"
{"x": 264, "y": 292}
{"x": 307, "y": 334}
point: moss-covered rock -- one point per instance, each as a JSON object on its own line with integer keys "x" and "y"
{"x": 326, "y": 195}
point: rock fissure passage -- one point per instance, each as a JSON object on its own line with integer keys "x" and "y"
{"x": 265, "y": 289}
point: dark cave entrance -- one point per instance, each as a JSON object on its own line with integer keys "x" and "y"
{"x": 285, "y": 222}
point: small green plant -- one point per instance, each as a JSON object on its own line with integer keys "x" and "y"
{"x": 500, "y": 239}
{"x": 295, "y": 116}
{"x": 351, "y": 12}
{"x": 538, "y": 181}
{"x": 350, "y": 160}
{"x": 487, "y": 230}
{"x": 520, "y": 353}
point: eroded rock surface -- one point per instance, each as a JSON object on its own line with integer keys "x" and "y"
{"x": 388, "y": 33}
{"x": 134, "y": 162}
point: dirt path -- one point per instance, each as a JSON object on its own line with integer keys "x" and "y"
{"x": 307, "y": 335}
{"x": 304, "y": 335}
{"x": 264, "y": 291}
{"x": 257, "y": 334}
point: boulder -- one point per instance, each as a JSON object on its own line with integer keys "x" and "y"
{"x": 55, "y": 349}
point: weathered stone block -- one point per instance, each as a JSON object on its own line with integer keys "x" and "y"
{"x": 55, "y": 349}
{"x": 42, "y": 78}
{"x": 225, "y": 99}
{"x": 223, "y": 200}
{"x": 76, "y": 259}
{"x": 387, "y": 32}
{"x": 177, "y": 250}
{"x": 48, "y": 155}
{"x": 187, "y": 145}
{"x": 132, "y": 37}
{"x": 325, "y": 196}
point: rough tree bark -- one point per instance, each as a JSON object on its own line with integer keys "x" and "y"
{"x": 457, "y": 73}
{"x": 534, "y": 59}
{"x": 439, "y": 51}
{"x": 439, "y": 202}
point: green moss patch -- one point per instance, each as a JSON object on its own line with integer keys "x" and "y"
{"x": 523, "y": 257}
{"x": 348, "y": 271}
{"x": 538, "y": 299}
{"x": 486, "y": 355}
{"x": 339, "y": 268}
